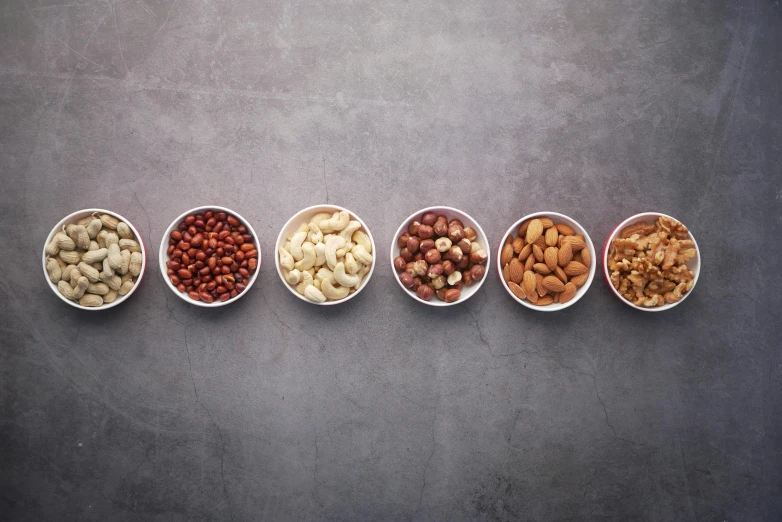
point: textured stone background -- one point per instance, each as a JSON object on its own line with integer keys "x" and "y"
{"x": 382, "y": 408}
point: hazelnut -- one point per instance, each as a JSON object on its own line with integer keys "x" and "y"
{"x": 435, "y": 270}
{"x": 458, "y": 285}
{"x": 441, "y": 294}
{"x": 467, "y": 278}
{"x": 412, "y": 228}
{"x": 457, "y": 222}
{"x": 399, "y": 263}
{"x": 418, "y": 256}
{"x": 470, "y": 233}
{"x": 429, "y": 218}
{"x": 432, "y": 256}
{"x": 475, "y": 246}
{"x": 455, "y": 254}
{"x": 405, "y": 254}
{"x": 479, "y": 256}
{"x": 409, "y": 268}
{"x": 417, "y": 282}
{"x": 412, "y": 244}
{"x": 455, "y": 233}
{"x": 420, "y": 267}
{"x": 454, "y": 278}
{"x": 465, "y": 244}
{"x": 425, "y": 231}
{"x": 477, "y": 272}
{"x": 425, "y": 292}
{"x": 440, "y": 228}
{"x": 426, "y": 245}
{"x": 443, "y": 244}
{"x": 464, "y": 263}
{"x": 402, "y": 240}
{"x": 438, "y": 282}
{"x": 448, "y": 267}
{"x": 452, "y": 294}
{"x": 406, "y": 279}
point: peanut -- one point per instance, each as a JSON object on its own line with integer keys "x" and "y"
{"x": 71, "y": 257}
{"x": 93, "y": 246}
{"x": 114, "y": 256}
{"x": 123, "y": 231}
{"x": 91, "y": 300}
{"x": 129, "y": 244}
{"x": 54, "y": 270}
{"x": 135, "y": 264}
{"x": 60, "y": 241}
{"x": 66, "y": 272}
{"x": 101, "y": 238}
{"x": 81, "y": 287}
{"x": 107, "y": 267}
{"x": 98, "y": 288}
{"x": 110, "y": 297}
{"x": 65, "y": 289}
{"x": 79, "y": 235}
{"x": 113, "y": 281}
{"x": 111, "y": 239}
{"x": 109, "y": 221}
{"x": 126, "y": 286}
{"x": 89, "y": 272}
{"x": 95, "y": 225}
{"x": 125, "y": 266}
{"x": 94, "y": 256}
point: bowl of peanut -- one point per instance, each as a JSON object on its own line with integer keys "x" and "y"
{"x": 546, "y": 261}
{"x": 651, "y": 262}
{"x": 210, "y": 256}
{"x": 325, "y": 255}
{"x": 94, "y": 259}
{"x": 440, "y": 256}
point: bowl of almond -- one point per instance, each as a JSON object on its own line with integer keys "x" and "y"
{"x": 546, "y": 261}
{"x": 651, "y": 262}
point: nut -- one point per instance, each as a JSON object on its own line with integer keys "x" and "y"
{"x": 477, "y": 272}
{"x": 425, "y": 232}
{"x": 440, "y": 228}
{"x": 443, "y": 244}
{"x": 432, "y": 256}
{"x": 452, "y": 294}
{"x": 429, "y": 218}
{"x": 455, "y": 233}
{"x": 412, "y": 228}
{"x": 402, "y": 240}
{"x": 420, "y": 267}
{"x": 435, "y": 270}
{"x": 448, "y": 267}
{"x": 413, "y": 244}
{"x": 406, "y": 279}
{"x": 470, "y": 234}
{"x": 426, "y": 245}
{"x": 425, "y": 292}
{"x": 399, "y": 263}
{"x": 466, "y": 245}
{"x": 454, "y": 278}
{"x": 479, "y": 256}
{"x": 455, "y": 254}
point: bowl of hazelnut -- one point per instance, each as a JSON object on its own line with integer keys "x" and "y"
{"x": 651, "y": 262}
{"x": 546, "y": 261}
{"x": 210, "y": 256}
{"x": 439, "y": 256}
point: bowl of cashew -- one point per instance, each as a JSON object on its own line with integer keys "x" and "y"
{"x": 325, "y": 254}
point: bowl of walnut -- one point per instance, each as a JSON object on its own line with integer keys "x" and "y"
{"x": 546, "y": 261}
{"x": 440, "y": 256}
{"x": 651, "y": 262}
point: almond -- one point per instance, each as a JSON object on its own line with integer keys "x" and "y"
{"x": 525, "y": 252}
{"x": 506, "y": 273}
{"x": 534, "y": 230}
{"x": 507, "y": 254}
{"x": 550, "y": 257}
{"x": 539, "y": 285}
{"x": 568, "y": 293}
{"x": 528, "y": 263}
{"x": 565, "y": 253}
{"x": 517, "y": 290}
{"x": 553, "y": 284}
{"x": 538, "y": 253}
{"x": 579, "y": 280}
{"x": 565, "y": 230}
{"x": 533, "y": 298}
{"x": 546, "y": 300}
{"x": 541, "y": 268}
{"x": 523, "y": 227}
{"x": 561, "y": 275}
{"x": 586, "y": 257}
{"x": 575, "y": 268}
{"x": 546, "y": 222}
{"x": 576, "y": 243}
{"x": 541, "y": 242}
{"x": 551, "y": 236}
{"x": 530, "y": 284}
{"x": 515, "y": 271}
{"x": 518, "y": 244}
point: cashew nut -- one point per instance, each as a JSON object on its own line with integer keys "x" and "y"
{"x": 286, "y": 259}
{"x": 313, "y": 294}
{"x": 295, "y": 248}
{"x": 325, "y": 273}
{"x": 308, "y": 257}
{"x": 336, "y": 223}
{"x": 306, "y": 280}
{"x": 317, "y": 218}
{"x": 343, "y": 278}
{"x": 316, "y": 283}
{"x": 351, "y": 266}
{"x": 361, "y": 238}
{"x": 345, "y": 249}
{"x": 333, "y": 243}
{"x": 361, "y": 273}
{"x": 320, "y": 254}
{"x": 292, "y": 277}
{"x": 333, "y": 292}
{"x": 314, "y": 236}
{"x": 362, "y": 255}
{"x": 347, "y": 232}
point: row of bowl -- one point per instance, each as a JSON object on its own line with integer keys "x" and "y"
{"x": 242, "y": 231}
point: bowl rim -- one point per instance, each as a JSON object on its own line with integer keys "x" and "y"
{"x": 460, "y": 214}
{"x": 604, "y": 260}
{"x": 321, "y": 208}
{"x": 73, "y": 216}
{"x": 163, "y": 255}
{"x": 581, "y": 292}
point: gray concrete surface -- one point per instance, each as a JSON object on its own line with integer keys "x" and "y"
{"x": 383, "y": 409}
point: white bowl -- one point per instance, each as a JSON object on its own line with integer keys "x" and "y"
{"x": 556, "y": 218}
{"x": 73, "y": 218}
{"x": 163, "y": 255}
{"x": 450, "y": 213}
{"x": 694, "y": 264}
{"x": 304, "y": 216}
